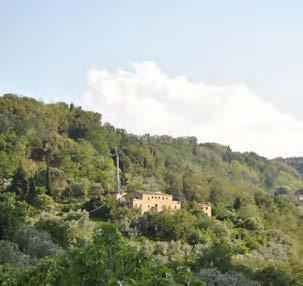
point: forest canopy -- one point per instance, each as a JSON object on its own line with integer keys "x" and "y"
{"x": 59, "y": 224}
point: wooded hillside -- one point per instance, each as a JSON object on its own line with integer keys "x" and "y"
{"x": 59, "y": 224}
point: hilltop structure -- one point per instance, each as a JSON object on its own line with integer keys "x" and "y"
{"x": 154, "y": 201}
{"x": 147, "y": 201}
{"x": 206, "y": 208}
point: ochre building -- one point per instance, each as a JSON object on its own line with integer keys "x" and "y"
{"x": 147, "y": 201}
{"x": 206, "y": 208}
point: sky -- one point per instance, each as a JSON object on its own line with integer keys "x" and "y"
{"x": 223, "y": 71}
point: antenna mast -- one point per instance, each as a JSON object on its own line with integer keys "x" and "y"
{"x": 118, "y": 172}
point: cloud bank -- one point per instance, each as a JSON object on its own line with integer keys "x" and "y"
{"x": 146, "y": 100}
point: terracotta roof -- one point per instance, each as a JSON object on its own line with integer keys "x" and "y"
{"x": 204, "y": 204}
{"x": 151, "y": 193}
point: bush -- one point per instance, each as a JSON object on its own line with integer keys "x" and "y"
{"x": 167, "y": 225}
{"x": 77, "y": 190}
{"x": 12, "y": 214}
{"x": 219, "y": 255}
{"x": 110, "y": 261}
{"x": 10, "y": 253}
{"x": 213, "y": 277}
{"x": 272, "y": 276}
{"x": 253, "y": 224}
{"x": 35, "y": 243}
{"x": 69, "y": 229}
{"x": 44, "y": 202}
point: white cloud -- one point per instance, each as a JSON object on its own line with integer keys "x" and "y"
{"x": 146, "y": 100}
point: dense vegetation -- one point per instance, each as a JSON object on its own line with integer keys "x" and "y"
{"x": 59, "y": 225}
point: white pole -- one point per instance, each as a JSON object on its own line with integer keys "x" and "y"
{"x": 118, "y": 172}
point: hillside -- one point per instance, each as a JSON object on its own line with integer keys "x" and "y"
{"x": 294, "y": 162}
{"x": 57, "y": 169}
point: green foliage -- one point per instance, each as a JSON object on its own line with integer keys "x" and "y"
{"x": 8, "y": 275}
{"x": 213, "y": 277}
{"x": 108, "y": 235}
{"x": 110, "y": 261}
{"x": 252, "y": 224}
{"x": 77, "y": 190}
{"x": 166, "y": 225}
{"x": 68, "y": 229}
{"x": 274, "y": 277}
{"x": 44, "y": 202}
{"x": 12, "y": 215}
{"x": 22, "y": 186}
{"x": 36, "y": 244}
{"x": 218, "y": 256}
{"x": 57, "y": 172}
{"x": 11, "y": 254}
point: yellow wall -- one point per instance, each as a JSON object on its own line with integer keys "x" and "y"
{"x": 155, "y": 201}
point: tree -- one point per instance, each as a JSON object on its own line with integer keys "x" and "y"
{"x": 272, "y": 276}
{"x": 222, "y": 191}
{"x": 69, "y": 229}
{"x": 167, "y": 225}
{"x": 11, "y": 254}
{"x": 22, "y": 186}
{"x": 12, "y": 214}
{"x": 35, "y": 243}
{"x": 217, "y": 256}
{"x": 263, "y": 199}
{"x": 107, "y": 261}
{"x": 214, "y": 277}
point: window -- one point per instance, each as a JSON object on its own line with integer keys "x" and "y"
{"x": 206, "y": 208}
{"x": 156, "y": 205}
{"x": 152, "y": 197}
{"x": 175, "y": 207}
{"x": 148, "y": 206}
{"x": 163, "y": 198}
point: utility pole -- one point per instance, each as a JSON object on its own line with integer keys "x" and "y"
{"x": 116, "y": 154}
{"x": 119, "y": 189}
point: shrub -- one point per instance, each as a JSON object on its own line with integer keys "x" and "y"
{"x": 10, "y": 253}
{"x": 69, "y": 229}
{"x": 44, "y": 202}
{"x": 12, "y": 214}
{"x": 213, "y": 277}
{"x": 35, "y": 243}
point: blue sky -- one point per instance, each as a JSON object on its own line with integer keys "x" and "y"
{"x": 48, "y": 47}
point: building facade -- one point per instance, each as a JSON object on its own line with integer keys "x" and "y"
{"x": 206, "y": 208}
{"x": 147, "y": 201}
{"x": 156, "y": 201}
